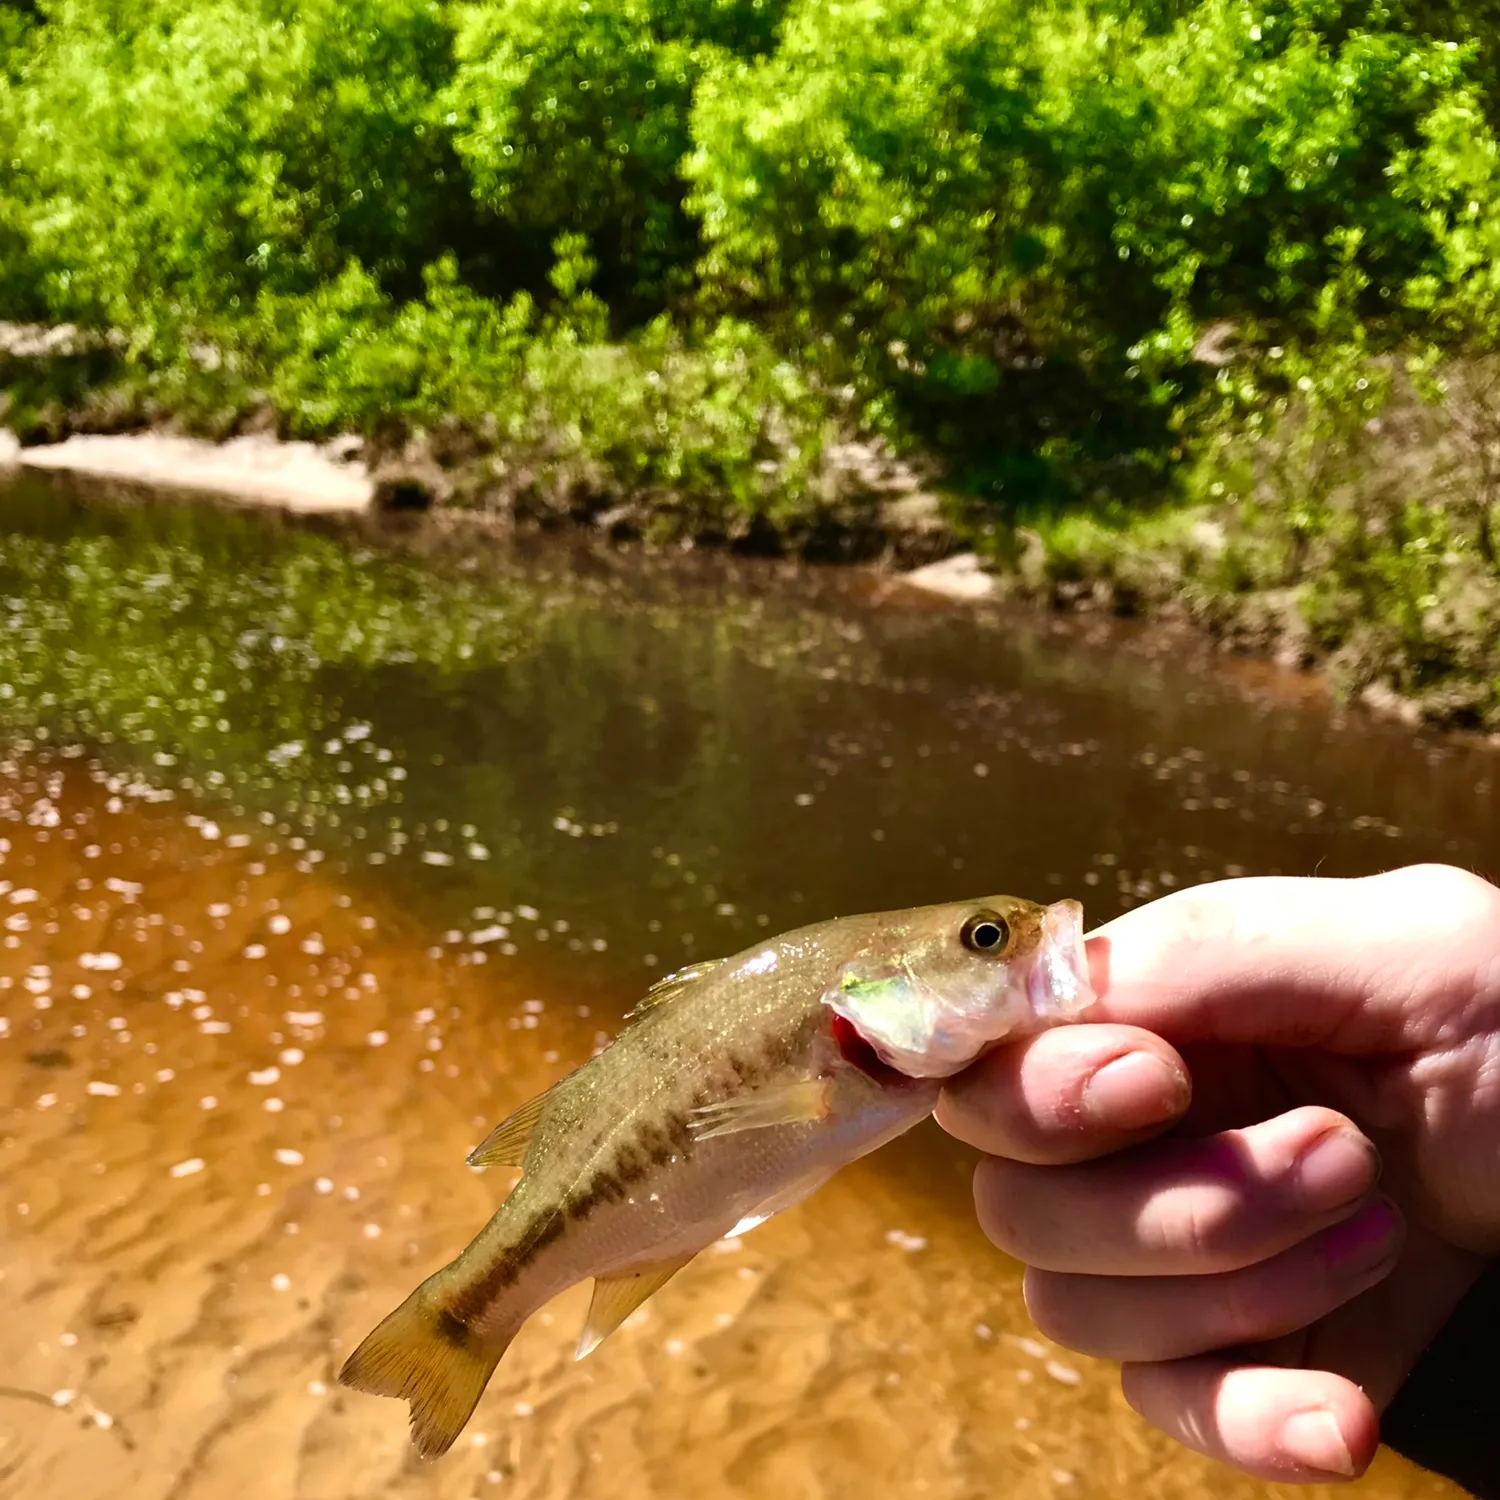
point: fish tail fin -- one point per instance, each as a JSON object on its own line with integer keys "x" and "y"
{"x": 424, "y": 1355}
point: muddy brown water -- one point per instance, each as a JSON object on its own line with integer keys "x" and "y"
{"x": 320, "y": 853}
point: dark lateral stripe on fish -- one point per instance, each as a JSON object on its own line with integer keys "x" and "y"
{"x": 474, "y": 1299}
{"x": 654, "y": 1145}
{"x": 451, "y": 1329}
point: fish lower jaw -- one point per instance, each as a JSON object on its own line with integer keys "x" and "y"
{"x": 1058, "y": 986}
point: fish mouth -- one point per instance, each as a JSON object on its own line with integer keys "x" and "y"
{"x": 1058, "y": 986}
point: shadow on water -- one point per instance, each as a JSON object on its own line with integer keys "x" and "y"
{"x": 319, "y": 852}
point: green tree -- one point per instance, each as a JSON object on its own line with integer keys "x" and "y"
{"x": 1015, "y": 219}
{"x": 572, "y": 116}
{"x": 173, "y": 160}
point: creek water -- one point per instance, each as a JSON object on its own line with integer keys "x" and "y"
{"x": 322, "y": 849}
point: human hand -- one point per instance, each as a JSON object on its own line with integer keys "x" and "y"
{"x": 1265, "y": 1299}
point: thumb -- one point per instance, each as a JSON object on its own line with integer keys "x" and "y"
{"x": 1387, "y": 963}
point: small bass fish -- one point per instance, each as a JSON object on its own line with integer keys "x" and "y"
{"x": 737, "y": 1088}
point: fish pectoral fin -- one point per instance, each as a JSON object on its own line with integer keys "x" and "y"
{"x": 667, "y": 989}
{"x": 793, "y": 1103}
{"x": 616, "y": 1297}
{"x": 505, "y": 1145}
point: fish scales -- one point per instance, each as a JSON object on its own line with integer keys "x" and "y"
{"x": 608, "y": 1128}
{"x": 736, "y": 1089}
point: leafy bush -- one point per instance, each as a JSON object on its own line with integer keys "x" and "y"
{"x": 344, "y": 356}
{"x": 574, "y": 117}
{"x": 717, "y": 430}
{"x": 174, "y": 159}
{"x": 1018, "y": 218}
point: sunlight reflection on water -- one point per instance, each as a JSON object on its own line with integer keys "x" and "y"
{"x": 314, "y": 864}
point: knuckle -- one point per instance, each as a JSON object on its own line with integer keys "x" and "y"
{"x": 1201, "y": 1229}
{"x": 1245, "y": 1313}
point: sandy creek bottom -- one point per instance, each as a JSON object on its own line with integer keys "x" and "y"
{"x": 235, "y": 1097}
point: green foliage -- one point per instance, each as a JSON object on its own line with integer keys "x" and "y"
{"x": 344, "y": 357}
{"x": 719, "y": 426}
{"x": 574, "y": 117}
{"x": 717, "y": 430}
{"x": 173, "y": 160}
{"x": 1008, "y": 222}
{"x": 16, "y": 22}
{"x": 1019, "y": 217}
{"x": 1097, "y": 256}
{"x": 1362, "y": 491}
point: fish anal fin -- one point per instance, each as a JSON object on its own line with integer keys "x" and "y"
{"x": 505, "y": 1145}
{"x": 669, "y": 988}
{"x": 428, "y": 1358}
{"x": 616, "y": 1297}
{"x": 795, "y": 1102}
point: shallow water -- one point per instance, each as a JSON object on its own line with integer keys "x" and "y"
{"x": 317, "y": 857}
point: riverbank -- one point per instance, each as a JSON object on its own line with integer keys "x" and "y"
{"x": 1184, "y": 565}
{"x": 751, "y": 279}
{"x": 304, "y": 478}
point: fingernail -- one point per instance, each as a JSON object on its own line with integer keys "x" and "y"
{"x": 1363, "y": 1242}
{"x": 1135, "y": 1091}
{"x": 1338, "y": 1168}
{"x": 1313, "y": 1438}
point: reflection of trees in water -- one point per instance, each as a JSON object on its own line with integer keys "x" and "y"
{"x": 504, "y": 717}
{"x": 204, "y": 643}
{"x": 661, "y": 752}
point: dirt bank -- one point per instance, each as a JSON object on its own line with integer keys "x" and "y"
{"x": 306, "y": 478}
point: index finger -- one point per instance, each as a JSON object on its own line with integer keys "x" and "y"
{"x": 1068, "y": 1095}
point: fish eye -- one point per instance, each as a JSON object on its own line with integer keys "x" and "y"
{"x": 985, "y": 932}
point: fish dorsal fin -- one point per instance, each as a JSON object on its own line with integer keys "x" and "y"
{"x": 616, "y": 1297}
{"x": 664, "y": 991}
{"x": 505, "y": 1145}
